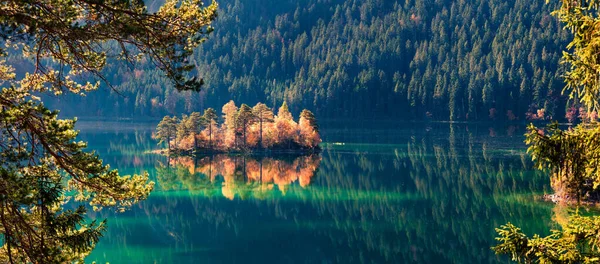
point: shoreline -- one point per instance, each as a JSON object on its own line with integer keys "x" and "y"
{"x": 265, "y": 152}
{"x": 558, "y": 199}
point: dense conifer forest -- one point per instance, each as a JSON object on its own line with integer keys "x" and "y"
{"x": 436, "y": 59}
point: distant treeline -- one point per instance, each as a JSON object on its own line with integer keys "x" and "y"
{"x": 437, "y": 59}
{"x": 244, "y": 129}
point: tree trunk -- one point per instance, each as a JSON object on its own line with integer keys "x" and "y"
{"x": 245, "y": 143}
{"x": 260, "y": 145}
{"x": 195, "y": 142}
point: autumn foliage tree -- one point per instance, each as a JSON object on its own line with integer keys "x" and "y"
{"x": 244, "y": 129}
{"x": 308, "y": 129}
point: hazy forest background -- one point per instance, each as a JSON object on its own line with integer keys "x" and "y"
{"x": 436, "y": 59}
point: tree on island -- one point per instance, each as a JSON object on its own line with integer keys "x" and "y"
{"x": 210, "y": 117}
{"x": 42, "y": 166}
{"x": 195, "y": 124}
{"x": 284, "y": 125}
{"x": 572, "y": 156}
{"x": 244, "y": 119}
{"x": 246, "y": 129}
{"x": 264, "y": 115}
{"x": 229, "y": 111}
{"x": 308, "y": 129}
{"x": 166, "y": 130}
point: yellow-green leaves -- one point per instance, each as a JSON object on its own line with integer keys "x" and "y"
{"x": 577, "y": 242}
{"x": 41, "y": 163}
{"x": 583, "y": 64}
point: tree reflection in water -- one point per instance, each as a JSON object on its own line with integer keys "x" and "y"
{"x": 241, "y": 176}
{"x": 431, "y": 197}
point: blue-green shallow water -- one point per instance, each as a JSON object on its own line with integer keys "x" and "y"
{"x": 379, "y": 192}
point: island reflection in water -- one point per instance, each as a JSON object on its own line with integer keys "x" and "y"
{"x": 242, "y": 176}
{"x": 416, "y": 195}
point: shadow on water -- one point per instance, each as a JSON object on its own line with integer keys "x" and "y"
{"x": 430, "y": 194}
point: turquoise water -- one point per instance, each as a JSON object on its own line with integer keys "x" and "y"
{"x": 379, "y": 192}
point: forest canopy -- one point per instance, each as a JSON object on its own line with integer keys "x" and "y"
{"x": 244, "y": 129}
{"x": 442, "y": 59}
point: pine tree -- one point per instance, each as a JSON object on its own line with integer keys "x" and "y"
{"x": 166, "y": 131}
{"x": 263, "y": 115}
{"x": 39, "y": 154}
{"x": 244, "y": 119}
{"x": 195, "y": 124}
{"x": 210, "y": 117}
{"x": 310, "y": 118}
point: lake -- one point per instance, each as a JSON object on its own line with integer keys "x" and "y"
{"x": 392, "y": 192}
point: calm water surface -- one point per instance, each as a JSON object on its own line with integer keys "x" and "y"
{"x": 379, "y": 192}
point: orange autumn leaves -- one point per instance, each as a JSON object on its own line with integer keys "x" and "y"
{"x": 238, "y": 176}
{"x": 243, "y": 129}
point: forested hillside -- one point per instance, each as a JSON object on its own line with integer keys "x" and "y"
{"x": 438, "y": 59}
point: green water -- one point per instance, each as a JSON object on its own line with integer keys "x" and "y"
{"x": 379, "y": 192}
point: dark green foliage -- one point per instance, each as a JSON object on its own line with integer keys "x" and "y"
{"x": 573, "y": 156}
{"x": 210, "y": 117}
{"x": 39, "y": 162}
{"x": 57, "y": 47}
{"x": 441, "y": 59}
{"x": 166, "y": 130}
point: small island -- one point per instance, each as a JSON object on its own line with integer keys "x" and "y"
{"x": 243, "y": 130}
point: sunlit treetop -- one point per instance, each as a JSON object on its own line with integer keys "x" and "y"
{"x": 583, "y": 64}
{"x": 69, "y": 40}
{"x": 42, "y": 166}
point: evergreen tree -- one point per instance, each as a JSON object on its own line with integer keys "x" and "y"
{"x": 284, "y": 112}
{"x": 210, "y": 117}
{"x": 573, "y": 156}
{"x": 310, "y": 118}
{"x": 308, "y": 130}
{"x": 182, "y": 129}
{"x": 196, "y": 123}
{"x": 244, "y": 119}
{"x": 166, "y": 131}
{"x": 263, "y": 115}
{"x": 41, "y": 163}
